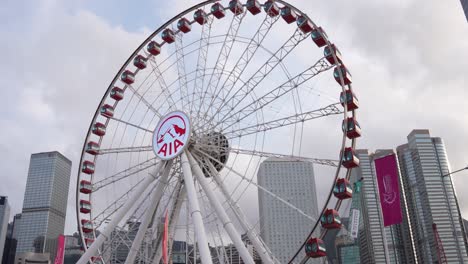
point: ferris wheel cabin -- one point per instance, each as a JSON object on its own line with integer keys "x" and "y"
{"x": 99, "y": 129}
{"x": 116, "y": 93}
{"x": 140, "y": 62}
{"x": 85, "y": 207}
{"x": 319, "y": 37}
{"x": 288, "y": 14}
{"x": 86, "y": 226}
{"x": 331, "y": 219}
{"x": 128, "y": 77}
{"x": 236, "y": 7}
{"x": 184, "y": 25}
{"x": 168, "y": 35}
{"x": 153, "y": 48}
{"x": 92, "y": 148}
{"x": 88, "y": 241}
{"x": 315, "y": 248}
{"x": 200, "y": 17}
{"x": 107, "y": 111}
{"x": 328, "y": 53}
{"x": 271, "y": 8}
{"x": 97, "y": 260}
{"x": 254, "y": 7}
{"x": 304, "y": 24}
{"x": 347, "y": 78}
{"x": 351, "y": 127}
{"x": 218, "y": 10}
{"x": 343, "y": 189}
{"x": 85, "y": 187}
{"x": 350, "y": 160}
{"x": 87, "y": 167}
{"x": 350, "y": 99}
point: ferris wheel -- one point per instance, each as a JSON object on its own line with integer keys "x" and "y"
{"x": 175, "y": 145}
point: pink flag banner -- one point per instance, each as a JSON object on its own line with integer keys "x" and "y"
{"x": 387, "y": 178}
{"x": 165, "y": 239}
{"x": 60, "y": 250}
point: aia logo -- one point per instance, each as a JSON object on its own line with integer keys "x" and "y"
{"x": 171, "y": 135}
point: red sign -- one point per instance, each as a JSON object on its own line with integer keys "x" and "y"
{"x": 171, "y": 135}
{"x": 387, "y": 178}
{"x": 165, "y": 238}
{"x": 60, "y": 250}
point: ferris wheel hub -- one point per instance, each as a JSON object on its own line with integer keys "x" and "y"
{"x": 172, "y": 135}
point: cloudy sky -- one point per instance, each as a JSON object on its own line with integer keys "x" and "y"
{"x": 409, "y": 61}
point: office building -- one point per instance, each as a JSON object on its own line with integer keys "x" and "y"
{"x": 45, "y": 203}
{"x": 11, "y": 241}
{"x": 283, "y": 228}
{"x": 464, "y": 4}
{"x": 4, "y": 218}
{"x": 432, "y": 200}
{"x": 73, "y": 250}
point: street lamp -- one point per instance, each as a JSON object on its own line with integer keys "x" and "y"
{"x": 445, "y": 175}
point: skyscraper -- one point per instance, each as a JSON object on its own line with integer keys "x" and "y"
{"x": 45, "y": 203}
{"x": 4, "y": 218}
{"x": 465, "y": 7}
{"x": 282, "y": 228}
{"x": 432, "y": 200}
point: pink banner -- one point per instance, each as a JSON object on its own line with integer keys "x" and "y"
{"x": 165, "y": 238}
{"x": 60, "y": 250}
{"x": 387, "y": 179}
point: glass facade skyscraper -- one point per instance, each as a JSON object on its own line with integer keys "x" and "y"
{"x": 45, "y": 203}
{"x": 425, "y": 172}
{"x": 4, "y": 218}
{"x": 283, "y": 228}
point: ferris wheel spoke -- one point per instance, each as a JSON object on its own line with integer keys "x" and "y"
{"x": 91, "y": 251}
{"x": 201, "y": 63}
{"x": 125, "y": 173}
{"x": 124, "y": 150}
{"x": 254, "y": 43}
{"x": 221, "y": 61}
{"x": 261, "y": 73}
{"x": 260, "y": 188}
{"x": 221, "y": 213}
{"x": 259, "y": 245}
{"x": 162, "y": 83}
{"x": 285, "y": 121}
{"x": 113, "y": 207}
{"x": 142, "y": 99}
{"x": 232, "y": 118}
{"x": 180, "y": 57}
{"x": 130, "y": 124}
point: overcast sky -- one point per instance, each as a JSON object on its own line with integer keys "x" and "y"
{"x": 409, "y": 60}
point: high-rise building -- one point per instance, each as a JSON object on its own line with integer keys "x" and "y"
{"x": 4, "y": 218}
{"x": 465, "y": 7}
{"x": 45, "y": 203}
{"x": 10, "y": 245}
{"x": 432, "y": 200}
{"x": 281, "y": 227}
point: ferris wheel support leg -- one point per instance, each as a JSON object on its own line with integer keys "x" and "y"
{"x": 228, "y": 225}
{"x": 172, "y": 225}
{"x": 195, "y": 211}
{"x": 105, "y": 234}
{"x": 158, "y": 192}
{"x": 251, "y": 234}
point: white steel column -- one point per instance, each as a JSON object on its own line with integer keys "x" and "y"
{"x": 195, "y": 211}
{"x": 228, "y": 225}
{"x": 92, "y": 250}
{"x": 251, "y": 234}
{"x": 172, "y": 224}
{"x": 158, "y": 193}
